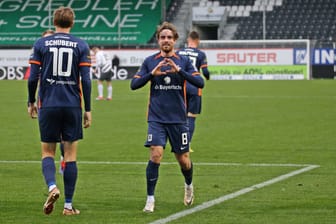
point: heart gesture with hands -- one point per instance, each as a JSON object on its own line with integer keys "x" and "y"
{"x": 166, "y": 62}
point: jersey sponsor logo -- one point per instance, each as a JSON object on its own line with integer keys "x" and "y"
{"x": 60, "y": 82}
{"x": 168, "y": 87}
{"x": 51, "y": 81}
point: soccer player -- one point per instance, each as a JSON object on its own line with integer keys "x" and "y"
{"x": 60, "y": 64}
{"x": 167, "y": 73}
{"x": 104, "y": 69}
{"x": 194, "y": 94}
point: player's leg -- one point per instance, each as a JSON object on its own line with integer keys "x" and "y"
{"x": 156, "y": 140}
{"x": 191, "y": 124}
{"x": 70, "y": 176}
{"x": 48, "y": 171}
{"x": 100, "y": 88}
{"x": 194, "y": 108}
{"x": 72, "y": 131}
{"x": 109, "y": 90}
{"x": 179, "y": 140}
{"x": 152, "y": 176}
{"x": 50, "y": 135}
{"x": 62, "y": 162}
{"x": 187, "y": 171}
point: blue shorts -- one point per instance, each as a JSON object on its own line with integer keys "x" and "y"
{"x": 60, "y": 121}
{"x": 178, "y": 135}
{"x": 194, "y": 104}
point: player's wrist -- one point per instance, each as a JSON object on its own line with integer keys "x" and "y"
{"x": 29, "y": 104}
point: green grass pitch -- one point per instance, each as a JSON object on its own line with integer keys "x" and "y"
{"x": 243, "y": 122}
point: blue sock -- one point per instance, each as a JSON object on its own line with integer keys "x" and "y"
{"x": 152, "y": 175}
{"x": 70, "y": 178}
{"x": 188, "y": 175}
{"x": 62, "y": 148}
{"x": 191, "y": 124}
{"x": 49, "y": 170}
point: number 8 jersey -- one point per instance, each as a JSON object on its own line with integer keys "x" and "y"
{"x": 60, "y": 62}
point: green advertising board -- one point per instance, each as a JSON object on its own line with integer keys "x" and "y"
{"x": 258, "y": 72}
{"x": 99, "y": 22}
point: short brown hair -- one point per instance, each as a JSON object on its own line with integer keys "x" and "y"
{"x": 194, "y": 35}
{"x": 168, "y": 26}
{"x": 64, "y": 17}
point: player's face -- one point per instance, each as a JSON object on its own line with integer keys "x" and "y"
{"x": 166, "y": 41}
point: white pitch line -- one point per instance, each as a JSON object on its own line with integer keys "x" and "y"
{"x": 166, "y": 163}
{"x": 219, "y": 200}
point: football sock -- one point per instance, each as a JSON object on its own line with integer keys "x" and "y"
{"x": 188, "y": 175}
{"x": 49, "y": 170}
{"x": 100, "y": 90}
{"x": 62, "y": 149}
{"x": 109, "y": 92}
{"x": 150, "y": 198}
{"x": 152, "y": 175}
{"x": 191, "y": 124}
{"x": 68, "y": 205}
{"x": 70, "y": 178}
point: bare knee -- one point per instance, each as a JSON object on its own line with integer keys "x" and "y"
{"x": 184, "y": 160}
{"x": 156, "y": 154}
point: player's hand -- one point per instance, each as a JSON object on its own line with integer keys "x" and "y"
{"x": 173, "y": 67}
{"x": 87, "y": 119}
{"x": 157, "y": 69}
{"x": 32, "y": 110}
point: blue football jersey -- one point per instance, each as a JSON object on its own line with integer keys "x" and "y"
{"x": 199, "y": 61}
{"x": 61, "y": 63}
{"x": 167, "y": 100}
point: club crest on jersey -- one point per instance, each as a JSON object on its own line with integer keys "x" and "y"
{"x": 167, "y": 80}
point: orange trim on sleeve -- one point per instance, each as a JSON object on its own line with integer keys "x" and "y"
{"x": 203, "y": 66}
{"x": 196, "y": 73}
{"x": 34, "y": 62}
{"x": 85, "y": 64}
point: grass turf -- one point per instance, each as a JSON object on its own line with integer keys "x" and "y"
{"x": 242, "y": 122}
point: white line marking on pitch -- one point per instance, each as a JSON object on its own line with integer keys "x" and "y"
{"x": 166, "y": 163}
{"x": 219, "y": 200}
{"x": 205, "y": 205}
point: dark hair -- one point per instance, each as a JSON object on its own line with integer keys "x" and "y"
{"x": 168, "y": 26}
{"x": 64, "y": 17}
{"x": 194, "y": 35}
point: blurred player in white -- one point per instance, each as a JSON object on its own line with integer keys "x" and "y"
{"x": 104, "y": 70}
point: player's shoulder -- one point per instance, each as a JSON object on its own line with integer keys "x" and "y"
{"x": 181, "y": 56}
{"x": 152, "y": 57}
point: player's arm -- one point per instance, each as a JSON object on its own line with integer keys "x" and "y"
{"x": 86, "y": 87}
{"x": 190, "y": 74}
{"x": 32, "y": 86}
{"x": 206, "y": 72}
{"x": 85, "y": 67}
{"x": 194, "y": 78}
{"x": 204, "y": 65}
{"x": 141, "y": 77}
